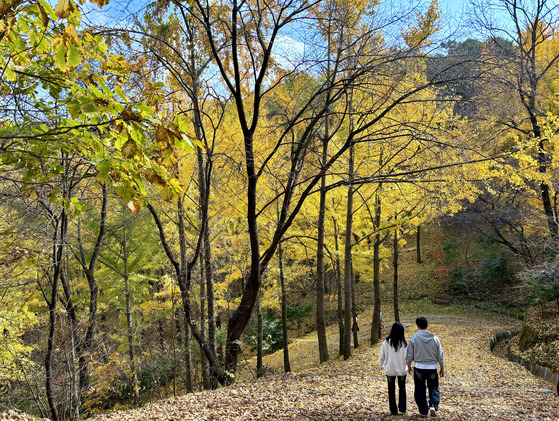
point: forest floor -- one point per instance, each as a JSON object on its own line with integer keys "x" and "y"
{"x": 477, "y": 386}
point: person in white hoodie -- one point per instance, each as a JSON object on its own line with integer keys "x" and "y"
{"x": 426, "y": 350}
{"x": 392, "y": 359}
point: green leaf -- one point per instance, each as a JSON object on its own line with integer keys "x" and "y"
{"x": 74, "y": 56}
{"x": 47, "y": 8}
{"x": 23, "y": 25}
{"x": 104, "y": 167}
{"x": 10, "y": 75}
{"x": 90, "y": 109}
{"x": 96, "y": 92}
{"x": 60, "y": 56}
{"x": 120, "y": 93}
{"x": 143, "y": 107}
{"x": 101, "y": 81}
{"x": 102, "y": 47}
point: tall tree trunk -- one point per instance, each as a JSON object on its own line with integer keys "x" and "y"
{"x": 241, "y": 315}
{"x": 57, "y": 255}
{"x": 354, "y": 319}
{"x": 418, "y": 245}
{"x": 339, "y": 289}
{"x": 375, "y": 325}
{"x": 188, "y": 380}
{"x": 87, "y": 343}
{"x": 205, "y": 260}
{"x": 286, "y": 363}
{"x": 184, "y": 275}
{"x": 320, "y": 270}
{"x": 348, "y": 281}
{"x": 203, "y": 360}
{"x": 184, "y": 280}
{"x": 260, "y": 340}
{"x": 210, "y": 300}
{"x": 174, "y": 334}
{"x": 129, "y": 321}
{"x": 395, "y": 255}
{"x": 74, "y": 338}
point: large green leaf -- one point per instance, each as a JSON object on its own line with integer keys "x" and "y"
{"x": 60, "y": 56}
{"x": 74, "y": 56}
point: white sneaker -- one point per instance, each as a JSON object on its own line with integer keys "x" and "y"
{"x": 432, "y": 412}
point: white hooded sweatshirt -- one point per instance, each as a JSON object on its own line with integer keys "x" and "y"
{"x": 393, "y": 362}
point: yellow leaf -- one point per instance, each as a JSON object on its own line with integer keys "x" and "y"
{"x": 72, "y": 34}
{"x": 63, "y": 9}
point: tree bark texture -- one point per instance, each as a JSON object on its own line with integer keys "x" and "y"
{"x": 348, "y": 281}
{"x": 286, "y": 363}
{"x": 375, "y": 325}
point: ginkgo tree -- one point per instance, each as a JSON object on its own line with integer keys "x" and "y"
{"x": 521, "y": 54}
{"x": 246, "y": 65}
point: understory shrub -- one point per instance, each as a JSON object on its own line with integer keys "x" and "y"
{"x": 541, "y": 284}
{"x": 272, "y": 332}
{"x": 454, "y": 274}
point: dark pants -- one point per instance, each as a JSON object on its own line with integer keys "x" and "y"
{"x": 431, "y": 377}
{"x": 401, "y": 394}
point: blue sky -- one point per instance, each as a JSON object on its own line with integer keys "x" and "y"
{"x": 121, "y": 9}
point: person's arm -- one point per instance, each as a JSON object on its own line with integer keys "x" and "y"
{"x": 409, "y": 355}
{"x": 441, "y": 359}
{"x": 381, "y": 355}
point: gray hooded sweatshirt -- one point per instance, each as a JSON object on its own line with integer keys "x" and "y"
{"x": 425, "y": 348}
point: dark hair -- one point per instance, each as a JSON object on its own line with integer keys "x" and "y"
{"x": 396, "y": 337}
{"x": 421, "y": 322}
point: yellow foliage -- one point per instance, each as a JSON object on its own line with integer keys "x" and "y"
{"x": 418, "y": 34}
{"x": 14, "y": 353}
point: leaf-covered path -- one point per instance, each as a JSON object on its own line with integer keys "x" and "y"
{"x": 477, "y": 386}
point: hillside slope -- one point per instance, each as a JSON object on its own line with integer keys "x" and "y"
{"x": 478, "y": 386}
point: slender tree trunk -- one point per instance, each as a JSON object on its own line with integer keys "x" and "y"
{"x": 395, "y": 266}
{"x": 49, "y": 354}
{"x": 174, "y": 333}
{"x": 74, "y": 338}
{"x": 339, "y": 289}
{"x": 87, "y": 343}
{"x": 188, "y": 381}
{"x": 418, "y": 244}
{"x": 58, "y": 247}
{"x": 203, "y": 360}
{"x": 184, "y": 278}
{"x": 160, "y": 327}
{"x": 210, "y": 300}
{"x": 375, "y": 325}
{"x": 260, "y": 341}
{"x": 354, "y": 319}
{"x": 320, "y": 270}
{"x": 286, "y": 363}
{"x": 346, "y": 339}
{"x": 129, "y": 321}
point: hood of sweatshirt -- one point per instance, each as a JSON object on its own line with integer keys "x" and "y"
{"x": 425, "y": 336}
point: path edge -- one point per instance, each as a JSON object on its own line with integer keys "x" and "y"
{"x": 537, "y": 370}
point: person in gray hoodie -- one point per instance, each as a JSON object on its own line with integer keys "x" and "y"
{"x": 425, "y": 350}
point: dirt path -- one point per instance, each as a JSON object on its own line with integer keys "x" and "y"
{"x": 478, "y": 386}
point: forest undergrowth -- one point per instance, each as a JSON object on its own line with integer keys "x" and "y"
{"x": 477, "y": 385}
